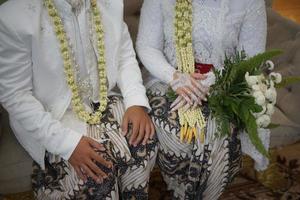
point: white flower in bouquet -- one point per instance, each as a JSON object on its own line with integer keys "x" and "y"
{"x": 263, "y": 121}
{"x": 271, "y": 95}
{"x": 263, "y": 87}
{"x": 259, "y": 98}
{"x": 270, "y": 109}
{"x": 270, "y": 65}
{"x": 276, "y": 77}
{"x": 255, "y": 87}
{"x": 252, "y": 80}
{"x": 260, "y": 87}
{"x": 257, "y": 115}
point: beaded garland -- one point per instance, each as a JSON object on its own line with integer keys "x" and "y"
{"x": 192, "y": 121}
{"x": 77, "y": 103}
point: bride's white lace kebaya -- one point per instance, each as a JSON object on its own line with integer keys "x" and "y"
{"x": 219, "y": 28}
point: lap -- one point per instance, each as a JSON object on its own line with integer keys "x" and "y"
{"x": 59, "y": 180}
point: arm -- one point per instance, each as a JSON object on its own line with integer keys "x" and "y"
{"x": 129, "y": 75}
{"x": 253, "y": 33}
{"x": 16, "y": 96}
{"x": 134, "y": 93}
{"x": 150, "y": 41}
{"x": 253, "y": 40}
{"x": 28, "y": 114}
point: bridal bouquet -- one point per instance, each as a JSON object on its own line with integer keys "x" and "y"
{"x": 244, "y": 95}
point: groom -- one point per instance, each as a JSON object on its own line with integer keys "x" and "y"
{"x": 59, "y": 63}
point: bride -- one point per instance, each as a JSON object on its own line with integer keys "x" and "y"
{"x": 203, "y": 32}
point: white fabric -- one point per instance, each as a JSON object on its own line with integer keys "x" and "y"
{"x": 32, "y": 82}
{"x": 219, "y": 28}
{"x": 261, "y": 162}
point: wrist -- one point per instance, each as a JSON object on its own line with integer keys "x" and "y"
{"x": 137, "y": 107}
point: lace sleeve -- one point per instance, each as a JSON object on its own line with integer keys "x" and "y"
{"x": 253, "y": 33}
{"x": 150, "y": 41}
{"x": 261, "y": 162}
{"x": 252, "y": 39}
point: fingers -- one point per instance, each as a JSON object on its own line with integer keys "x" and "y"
{"x": 200, "y": 87}
{"x": 177, "y": 100}
{"x": 192, "y": 94}
{"x": 125, "y": 125}
{"x": 141, "y": 134}
{"x": 98, "y": 158}
{"x": 91, "y": 174}
{"x": 147, "y": 133}
{"x": 152, "y": 130}
{"x": 180, "y": 105}
{"x": 184, "y": 93}
{"x": 195, "y": 105}
{"x": 198, "y": 90}
{"x": 186, "y": 107}
{"x": 135, "y": 132}
{"x": 80, "y": 174}
{"x": 97, "y": 171}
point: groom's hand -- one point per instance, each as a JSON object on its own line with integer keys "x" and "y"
{"x": 84, "y": 157}
{"x": 142, "y": 126}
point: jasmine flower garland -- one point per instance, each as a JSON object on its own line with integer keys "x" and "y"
{"x": 77, "y": 103}
{"x": 192, "y": 121}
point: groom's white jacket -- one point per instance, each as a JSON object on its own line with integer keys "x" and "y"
{"x": 32, "y": 83}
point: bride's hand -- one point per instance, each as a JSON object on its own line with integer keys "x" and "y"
{"x": 189, "y": 87}
{"x": 180, "y": 102}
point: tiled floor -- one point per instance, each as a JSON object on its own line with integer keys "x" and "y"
{"x": 288, "y": 8}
